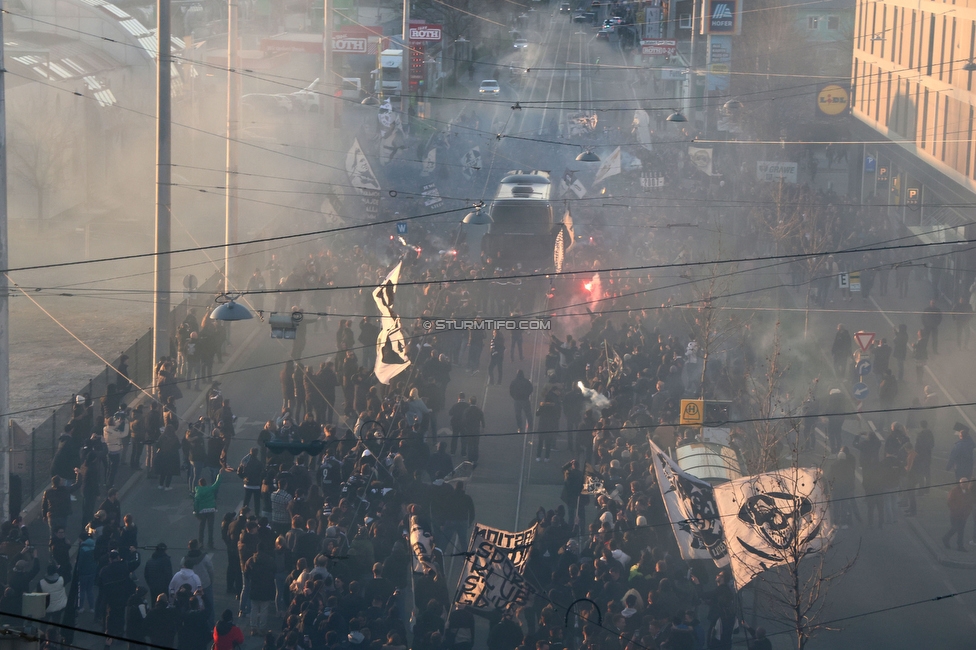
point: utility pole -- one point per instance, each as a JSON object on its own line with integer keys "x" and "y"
{"x": 233, "y": 105}
{"x": 328, "y": 105}
{"x": 5, "y": 441}
{"x": 405, "y": 62}
{"x": 163, "y": 205}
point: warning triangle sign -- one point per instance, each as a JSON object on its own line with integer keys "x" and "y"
{"x": 864, "y": 340}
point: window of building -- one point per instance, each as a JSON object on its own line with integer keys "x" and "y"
{"x": 813, "y": 22}
{"x": 888, "y": 100}
{"x": 928, "y": 64}
{"x": 911, "y": 44}
{"x": 925, "y": 117}
{"x": 877, "y": 102}
{"x": 833, "y": 22}
{"x": 684, "y": 21}
{"x": 945, "y": 127}
{"x": 969, "y": 142}
{"x": 894, "y": 32}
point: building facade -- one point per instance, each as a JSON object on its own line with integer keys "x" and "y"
{"x": 912, "y": 93}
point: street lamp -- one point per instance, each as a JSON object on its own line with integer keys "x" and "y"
{"x": 477, "y": 217}
{"x": 370, "y": 100}
{"x": 676, "y": 116}
{"x": 970, "y": 66}
{"x": 732, "y": 106}
{"x": 587, "y": 156}
{"x": 229, "y": 310}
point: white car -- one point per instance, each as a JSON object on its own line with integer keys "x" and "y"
{"x": 489, "y": 86}
{"x": 521, "y": 43}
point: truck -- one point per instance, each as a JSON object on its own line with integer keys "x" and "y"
{"x": 388, "y": 77}
{"x": 525, "y": 230}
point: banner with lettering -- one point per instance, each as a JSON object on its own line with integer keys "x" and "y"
{"x": 492, "y": 578}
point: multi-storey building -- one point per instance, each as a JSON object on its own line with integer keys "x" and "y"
{"x": 912, "y": 83}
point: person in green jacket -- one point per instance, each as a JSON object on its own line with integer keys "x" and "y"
{"x": 205, "y": 505}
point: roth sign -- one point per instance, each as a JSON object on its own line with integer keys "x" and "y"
{"x": 349, "y": 43}
{"x": 425, "y": 33}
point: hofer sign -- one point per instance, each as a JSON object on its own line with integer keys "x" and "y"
{"x": 425, "y": 32}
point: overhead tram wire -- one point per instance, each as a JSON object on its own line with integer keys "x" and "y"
{"x": 271, "y": 78}
{"x": 278, "y": 248}
{"x": 647, "y": 267}
{"x": 321, "y": 164}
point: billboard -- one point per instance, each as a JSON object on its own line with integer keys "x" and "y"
{"x": 349, "y": 44}
{"x": 768, "y": 170}
{"x": 356, "y": 39}
{"x": 425, "y": 32}
{"x": 659, "y": 47}
{"x": 721, "y": 17}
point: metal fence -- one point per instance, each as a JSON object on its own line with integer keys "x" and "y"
{"x": 31, "y": 454}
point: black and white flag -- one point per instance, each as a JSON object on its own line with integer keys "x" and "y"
{"x": 772, "y": 519}
{"x": 391, "y": 349}
{"x": 492, "y": 577}
{"x": 690, "y": 503}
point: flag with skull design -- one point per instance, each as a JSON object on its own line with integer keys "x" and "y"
{"x": 691, "y": 509}
{"x": 773, "y": 519}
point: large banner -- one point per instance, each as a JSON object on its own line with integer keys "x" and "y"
{"x": 492, "y": 577}
{"x": 363, "y": 180}
{"x": 691, "y": 509}
{"x": 772, "y": 519}
{"x": 391, "y": 348}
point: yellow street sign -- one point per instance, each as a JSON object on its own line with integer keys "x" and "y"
{"x": 692, "y": 412}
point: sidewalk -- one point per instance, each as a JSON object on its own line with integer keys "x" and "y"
{"x": 946, "y": 372}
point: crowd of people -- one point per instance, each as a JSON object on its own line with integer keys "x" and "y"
{"x": 319, "y": 557}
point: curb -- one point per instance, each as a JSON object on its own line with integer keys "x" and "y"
{"x": 934, "y": 550}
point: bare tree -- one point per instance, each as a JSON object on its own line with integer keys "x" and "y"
{"x": 796, "y": 592}
{"x": 39, "y": 146}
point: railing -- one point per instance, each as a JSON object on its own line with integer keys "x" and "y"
{"x": 31, "y": 459}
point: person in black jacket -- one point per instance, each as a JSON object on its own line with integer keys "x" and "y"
{"x": 23, "y": 572}
{"x": 251, "y": 470}
{"x": 60, "y": 549}
{"x": 56, "y": 503}
{"x": 158, "y": 572}
{"x": 506, "y": 634}
{"x": 162, "y": 622}
{"x": 235, "y": 581}
{"x": 573, "y": 480}
{"x": 521, "y": 390}
{"x": 135, "y": 617}
{"x": 114, "y": 588}
{"x": 496, "y": 356}
{"x": 259, "y": 571}
{"x": 66, "y": 458}
{"x": 92, "y": 471}
{"x": 548, "y": 414}
{"x": 456, "y": 414}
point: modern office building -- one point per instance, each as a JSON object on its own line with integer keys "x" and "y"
{"x": 911, "y": 89}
